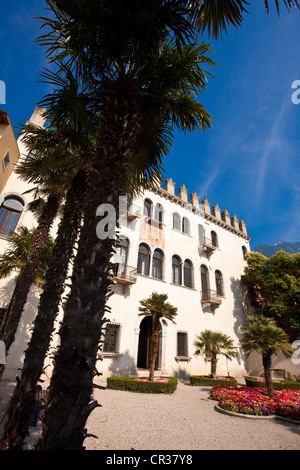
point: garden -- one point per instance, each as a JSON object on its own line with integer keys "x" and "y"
{"x": 256, "y": 402}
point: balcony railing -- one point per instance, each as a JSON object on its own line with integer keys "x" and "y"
{"x": 124, "y": 274}
{"x": 211, "y": 297}
{"x": 133, "y": 212}
{"x": 206, "y": 245}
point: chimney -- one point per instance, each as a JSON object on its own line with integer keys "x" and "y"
{"x": 235, "y": 222}
{"x": 206, "y": 206}
{"x": 226, "y": 216}
{"x": 243, "y": 227}
{"x": 182, "y": 193}
{"x": 170, "y": 186}
{"x": 194, "y": 200}
{"x": 216, "y": 211}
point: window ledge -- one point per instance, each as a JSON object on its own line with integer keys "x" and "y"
{"x": 182, "y": 359}
{"x": 150, "y": 277}
{"x": 181, "y": 285}
{"x": 109, "y": 354}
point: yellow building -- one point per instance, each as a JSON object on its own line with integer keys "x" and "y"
{"x": 9, "y": 151}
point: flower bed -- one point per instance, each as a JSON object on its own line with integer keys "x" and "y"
{"x": 256, "y": 402}
{"x": 208, "y": 381}
{"x": 142, "y": 384}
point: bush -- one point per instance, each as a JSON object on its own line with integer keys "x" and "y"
{"x": 142, "y": 385}
{"x": 277, "y": 385}
{"x": 207, "y": 381}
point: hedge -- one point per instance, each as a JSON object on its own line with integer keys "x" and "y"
{"x": 277, "y": 385}
{"x": 132, "y": 385}
{"x": 205, "y": 381}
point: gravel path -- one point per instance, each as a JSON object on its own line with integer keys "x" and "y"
{"x": 185, "y": 420}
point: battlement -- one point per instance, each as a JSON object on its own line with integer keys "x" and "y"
{"x": 215, "y": 214}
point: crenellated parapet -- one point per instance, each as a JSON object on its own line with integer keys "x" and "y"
{"x": 215, "y": 214}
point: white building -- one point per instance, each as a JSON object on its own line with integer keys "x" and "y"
{"x": 172, "y": 245}
{"x": 194, "y": 255}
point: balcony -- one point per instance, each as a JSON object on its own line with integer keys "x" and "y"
{"x": 125, "y": 275}
{"x": 207, "y": 245}
{"x": 133, "y": 212}
{"x": 210, "y": 297}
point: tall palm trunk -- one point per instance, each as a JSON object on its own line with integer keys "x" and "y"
{"x": 22, "y": 403}
{"x": 267, "y": 361}
{"x": 22, "y": 288}
{"x": 155, "y": 347}
{"x": 75, "y": 361}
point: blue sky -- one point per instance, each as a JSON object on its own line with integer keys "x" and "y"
{"x": 248, "y": 162}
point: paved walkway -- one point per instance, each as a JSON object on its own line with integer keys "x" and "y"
{"x": 185, "y": 420}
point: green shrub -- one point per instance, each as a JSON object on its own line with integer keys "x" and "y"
{"x": 277, "y": 385}
{"x": 132, "y": 385}
{"x": 205, "y": 381}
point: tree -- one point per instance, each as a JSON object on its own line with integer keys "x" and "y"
{"x": 157, "y": 307}
{"x": 274, "y": 288}
{"x": 262, "y": 335}
{"x": 214, "y": 343}
{"x": 112, "y": 44}
{"x": 122, "y": 111}
{"x": 15, "y": 257}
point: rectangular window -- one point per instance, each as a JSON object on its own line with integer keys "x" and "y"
{"x": 182, "y": 344}
{"x": 112, "y": 338}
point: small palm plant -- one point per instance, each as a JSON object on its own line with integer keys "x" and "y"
{"x": 214, "y": 343}
{"x": 159, "y": 309}
{"x": 263, "y": 336}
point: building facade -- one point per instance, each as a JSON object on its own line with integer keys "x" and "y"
{"x": 193, "y": 254}
{"x": 169, "y": 243}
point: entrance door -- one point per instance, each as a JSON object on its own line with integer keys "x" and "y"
{"x": 145, "y": 345}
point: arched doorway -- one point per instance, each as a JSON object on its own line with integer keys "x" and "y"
{"x": 144, "y": 348}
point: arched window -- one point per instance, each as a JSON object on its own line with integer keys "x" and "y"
{"x": 121, "y": 256}
{"x": 186, "y": 225}
{"x": 244, "y": 251}
{"x": 214, "y": 239}
{"x": 10, "y": 212}
{"x": 188, "y": 273}
{"x": 176, "y": 270}
{"x": 143, "y": 259}
{"x": 148, "y": 208}
{"x": 204, "y": 282}
{"x": 176, "y": 221}
{"x": 157, "y": 264}
{"x": 158, "y": 214}
{"x": 219, "y": 283}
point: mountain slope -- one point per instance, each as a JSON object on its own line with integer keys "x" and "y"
{"x": 269, "y": 250}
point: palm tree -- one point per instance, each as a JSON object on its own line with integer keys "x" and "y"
{"x": 157, "y": 307}
{"x": 214, "y": 343}
{"x": 123, "y": 112}
{"x": 27, "y": 275}
{"x": 15, "y": 257}
{"x": 263, "y": 336}
{"x": 112, "y": 44}
{"x": 52, "y": 181}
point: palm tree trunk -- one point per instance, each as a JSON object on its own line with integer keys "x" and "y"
{"x": 75, "y": 361}
{"x": 22, "y": 288}
{"x": 22, "y": 403}
{"x": 267, "y": 361}
{"x": 213, "y": 365}
{"x": 155, "y": 346}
